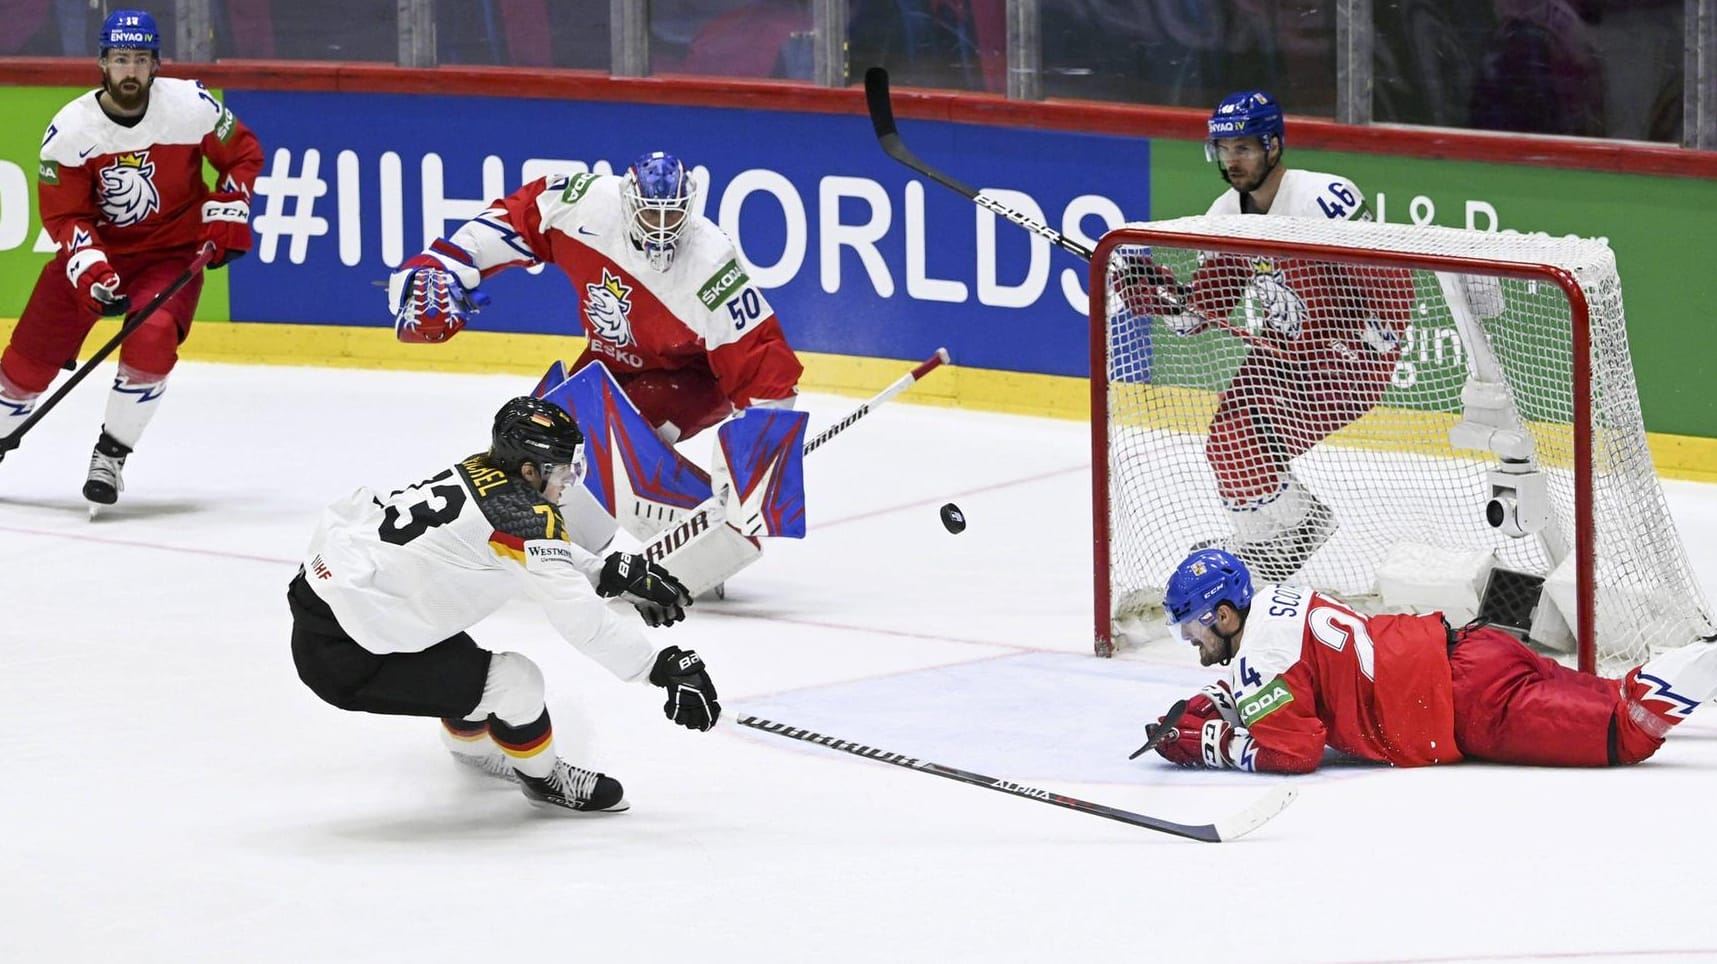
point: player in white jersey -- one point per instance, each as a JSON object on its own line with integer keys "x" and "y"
{"x": 1330, "y": 340}
{"x": 666, "y": 304}
{"x": 390, "y": 584}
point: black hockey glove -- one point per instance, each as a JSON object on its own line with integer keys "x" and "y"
{"x": 691, "y": 695}
{"x": 653, "y": 591}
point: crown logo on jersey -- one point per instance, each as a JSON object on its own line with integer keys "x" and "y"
{"x": 127, "y": 191}
{"x": 608, "y": 306}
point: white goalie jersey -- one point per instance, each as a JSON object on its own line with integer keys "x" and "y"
{"x": 408, "y": 570}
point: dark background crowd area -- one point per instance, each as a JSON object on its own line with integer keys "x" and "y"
{"x": 1593, "y": 68}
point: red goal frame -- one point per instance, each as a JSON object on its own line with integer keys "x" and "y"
{"x": 1585, "y": 552}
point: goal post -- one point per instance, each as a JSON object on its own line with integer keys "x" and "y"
{"x": 1408, "y": 417}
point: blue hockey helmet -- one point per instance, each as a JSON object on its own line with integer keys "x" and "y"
{"x": 1202, "y": 581}
{"x": 658, "y": 196}
{"x": 130, "y": 30}
{"x": 1249, "y": 113}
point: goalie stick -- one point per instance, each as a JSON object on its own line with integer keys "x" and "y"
{"x": 882, "y": 119}
{"x": 132, "y": 322}
{"x": 901, "y": 384}
{"x": 1229, "y": 828}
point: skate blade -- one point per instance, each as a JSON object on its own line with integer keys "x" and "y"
{"x": 621, "y": 807}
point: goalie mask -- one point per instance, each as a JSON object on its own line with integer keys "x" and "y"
{"x": 1206, "y": 579}
{"x": 528, "y": 429}
{"x": 657, "y": 198}
{"x": 1250, "y": 113}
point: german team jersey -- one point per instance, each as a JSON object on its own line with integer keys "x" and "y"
{"x": 405, "y": 571}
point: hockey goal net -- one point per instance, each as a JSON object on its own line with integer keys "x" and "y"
{"x": 1430, "y": 417}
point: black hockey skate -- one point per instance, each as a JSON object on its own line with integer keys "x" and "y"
{"x": 574, "y": 788}
{"x": 106, "y": 468}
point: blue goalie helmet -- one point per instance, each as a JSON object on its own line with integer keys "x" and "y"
{"x": 130, "y": 30}
{"x": 1204, "y": 579}
{"x": 1249, "y": 113}
{"x": 658, "y": 196}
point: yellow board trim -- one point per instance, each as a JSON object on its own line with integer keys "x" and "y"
{"x": 1687, "y": 457}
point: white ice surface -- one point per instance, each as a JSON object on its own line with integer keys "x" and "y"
{"x": 170, "y": 792}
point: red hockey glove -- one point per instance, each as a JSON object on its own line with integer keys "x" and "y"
{"x": 1152, "y": 291}
{"x": 1215, "y": 745}
{"x": 226, "y": 222}
{"x": 96, "y": 282}
{"x": 430, "y": 304}
{"x": 1214, "y": 702}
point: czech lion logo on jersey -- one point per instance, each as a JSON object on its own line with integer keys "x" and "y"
{"x": 1280, "y": 306}
{"x": 606, "y": 306}
{"x": 128, "y": 194}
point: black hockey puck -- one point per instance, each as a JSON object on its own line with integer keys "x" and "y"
{"x": 953, "y": 519}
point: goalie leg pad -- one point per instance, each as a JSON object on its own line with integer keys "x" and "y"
{"x": 759, "y": 461}
{"x": 703, "y": 551}
{"x": 634, "y": 476}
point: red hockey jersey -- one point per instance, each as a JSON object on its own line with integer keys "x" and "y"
{"x": 703, "y": 311}
{"x": 1312, "y": 672}
{"x": 140, "y": 188}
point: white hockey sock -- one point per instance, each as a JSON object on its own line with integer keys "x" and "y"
{"x": 513, "y": 693}
{"x": 15, "y": 405}
{"x": 1259, "y": 520}
{"x": 1672, "y": 684}
{"x": 131, "y": 404}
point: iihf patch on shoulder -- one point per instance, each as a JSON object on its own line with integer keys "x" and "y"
{"x": 545, "y": 553}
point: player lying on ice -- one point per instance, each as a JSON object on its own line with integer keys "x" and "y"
{"x": 679, "y": 340}
{"x": 1307, "y": 671}
{"x": 390, "y": 584}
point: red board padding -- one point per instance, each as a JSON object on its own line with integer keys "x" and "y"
{"x": 961, "y": 107}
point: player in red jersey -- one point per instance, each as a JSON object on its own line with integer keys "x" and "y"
{"x": 122, "y": 195}
{"x": 1329, "y": 339}
{"x": 1308, "y": 672}
{"x": 663, "y": 298}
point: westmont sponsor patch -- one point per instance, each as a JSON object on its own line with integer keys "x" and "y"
{"x": 1266, "y": 701}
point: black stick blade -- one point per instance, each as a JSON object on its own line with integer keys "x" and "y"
{"x": 1159, "y": 733}
{"x": 876, "y": 98}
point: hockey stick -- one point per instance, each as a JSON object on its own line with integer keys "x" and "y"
{"x": 901, "y": 384}
{"x": 1230, "y": 828}
{"x": 882, "y": 119}
{"x": 714, "y": 509}
{"x": 132, "y": 322}
{"x": 1156, "y": 734}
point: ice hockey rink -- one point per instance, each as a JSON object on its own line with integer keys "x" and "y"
{"x": 172, "y": 793}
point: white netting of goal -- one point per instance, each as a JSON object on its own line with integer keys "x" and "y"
{"x": 1383, "y": 391}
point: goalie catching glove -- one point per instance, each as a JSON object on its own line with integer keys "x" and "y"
{"x": 430, "y": 302}
{"x": 691, "y": 696}
{"x": 653, "y": 591}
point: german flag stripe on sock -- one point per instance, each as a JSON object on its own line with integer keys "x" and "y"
{"x": 523, "y": 742}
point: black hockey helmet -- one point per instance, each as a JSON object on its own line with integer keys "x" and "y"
{"x": 528, "y": 429}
